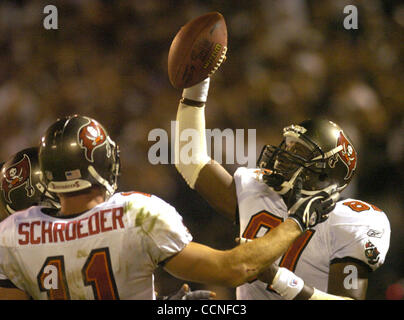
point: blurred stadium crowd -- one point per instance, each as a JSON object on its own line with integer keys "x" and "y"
{"x": 287, "y": 60}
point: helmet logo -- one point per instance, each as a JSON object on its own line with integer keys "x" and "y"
{"x": 16, "y": 176}
{"x": 91, "y": 136}
{"x": 347, "y": 155}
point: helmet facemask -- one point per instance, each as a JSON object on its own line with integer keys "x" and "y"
{"x": 283, "y": 164}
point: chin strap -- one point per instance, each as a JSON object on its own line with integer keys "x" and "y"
{"x": 110, "y": 188}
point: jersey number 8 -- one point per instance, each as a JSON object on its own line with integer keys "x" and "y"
{"x": 265, "y": 220}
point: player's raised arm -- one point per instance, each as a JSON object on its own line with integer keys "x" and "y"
{"x": 196, "y": 52}
{"x": 204, "y": 175}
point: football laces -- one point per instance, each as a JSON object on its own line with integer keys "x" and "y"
{"x": 219, "y": 62}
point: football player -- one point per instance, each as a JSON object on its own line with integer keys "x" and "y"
{"x": 106, "y": 245}
{"x": 335, "y": 257}
{"x": 21, "y": 187}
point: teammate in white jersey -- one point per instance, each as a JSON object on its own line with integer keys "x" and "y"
{"x": 106, "y": 245}
{"x": 21, "y": 188}
{"x": 331, "y": 260}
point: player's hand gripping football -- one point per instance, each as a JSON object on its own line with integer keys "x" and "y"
{"x": 308, "y": 211}
{"x": 185, "y": 293}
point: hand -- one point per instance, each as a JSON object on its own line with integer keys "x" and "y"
{"x": 185, "y": 293}
{"x": 310, "y": 210}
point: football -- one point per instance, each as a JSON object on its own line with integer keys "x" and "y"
{"x": 197, "y": 51}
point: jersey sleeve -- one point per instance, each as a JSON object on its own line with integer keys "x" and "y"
{"x": 3, "y": 277}
{"x": 5, "y": 282}
{"x": 245, "y": 179}
{"x": 361, "y": 231}
{"x": 7, "y": 262}
{"x": 161, "y": 226}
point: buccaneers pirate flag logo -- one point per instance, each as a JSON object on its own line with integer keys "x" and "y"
{"x": 91, "y": 136}
{"x": 347, "y": 155}
{"x": 16, "y": 176}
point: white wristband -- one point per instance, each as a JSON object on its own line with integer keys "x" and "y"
{"x": 287, "y": 284}
{"x": 198, "y": 92}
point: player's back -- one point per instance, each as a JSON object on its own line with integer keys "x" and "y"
{"x": 108, "y": 252}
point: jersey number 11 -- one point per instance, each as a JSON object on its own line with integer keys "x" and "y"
{"x": 96, "y": 272}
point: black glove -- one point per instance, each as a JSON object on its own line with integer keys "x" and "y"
{"x": 308, "y": 211}
{"x": 185, "y": 293}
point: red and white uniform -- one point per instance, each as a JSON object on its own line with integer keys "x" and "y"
{"x": 108, "y": 252}
{"x": 354, "y": 229}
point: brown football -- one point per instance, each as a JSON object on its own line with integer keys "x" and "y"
{"x": 197, "y": 50}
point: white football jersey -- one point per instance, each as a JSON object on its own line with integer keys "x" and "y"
{"x": 108, "y": 252}
{"x": 354, "y": 229}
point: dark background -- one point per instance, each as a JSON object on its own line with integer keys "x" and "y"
{"x": 287, "y": 60}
